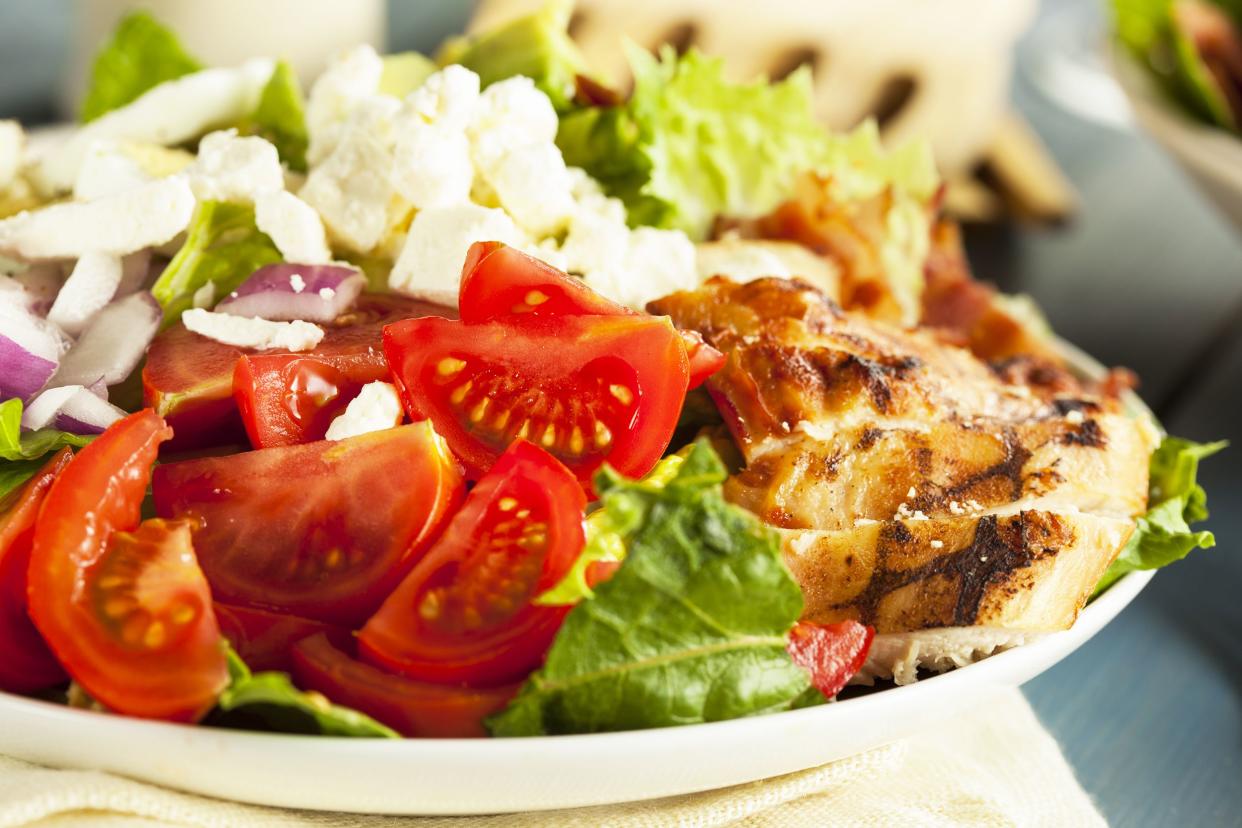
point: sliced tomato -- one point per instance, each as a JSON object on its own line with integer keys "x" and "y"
{"x": 412, "y": 708}
{"x": 190, "y": 379}
{"x": 26, "y": 664}
{"x": 586, "y": 388}
{"x": 265, "y": 640}
{"x": 323, "y": 530}
{"x": 464, "y": 614}
{"x": 832, "y": 653}
{"x": 499, "y": 282}
{"x": 124, "y": 606}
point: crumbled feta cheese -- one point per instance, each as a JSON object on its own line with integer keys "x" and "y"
{"x": 447, "y": 98}
{"x": 293, "y": 226}
{"x": 534, "y": 186}
{"x": 376, "y": 408}
{"x": 297, "y": 283}
{"x": 937, "y": 544}
{"x": 107, "y": 169}
{"x": 657, "y": 263}
{"x": 326, "y": 293}
{"x": 956, "y": 508}
{"x": 510, "y": 115}
{"x": 91, "y": 286}
{"x": 739, "y": 260}
{"x": 12, "y": 147}
{"x": 168, "y": 114}
{"x": 430, "y": 264}
{"x": 352, "y": 77}
{"x": 205, "y": 296}
{"x": 596, "y": 242}
{"x": 124, "y": 222}
{"x": 352, "y": 189}
{"x": 247, "y": 332}
{"x": 431, "y": 165}
{"x": 235, "y": 168}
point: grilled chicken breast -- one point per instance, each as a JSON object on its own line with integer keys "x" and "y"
{"x": 917, "y": 487}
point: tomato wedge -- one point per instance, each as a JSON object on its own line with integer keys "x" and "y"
{"x": 500, "y": 282}
{"x": 26, "y": 664}
{"x": 193, "y": 381}
{"x": 464, "y": 614}
{"x": 265, "y": 640}
{"x": 412, "y": 708}
{"x": 323, "y": 530}
{"x": 586, "y": 388}
{"x": 832, "y": 653}
{"x": 124, "y": 606}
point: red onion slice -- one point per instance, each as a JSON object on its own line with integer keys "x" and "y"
{"x": 287, "y": 292}
{"x": 71, "y": 408}
{"x": 30, "y": 350}
{"x": 114, "y": 342}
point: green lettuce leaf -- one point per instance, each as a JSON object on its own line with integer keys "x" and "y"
{"x": 281, "y": 118}
{"x": 140, "y": 55}
{"x": 691, "y": 628}
{"x": 537, "y": 46}
{"x": 21, "y": 455}
{"x": 1149, "y": 30}
{"x": 1175, "y": 501}
{"x": 223, "y": 246}
{"x": 404, "y": 72}
{"x": 269, "y": 701}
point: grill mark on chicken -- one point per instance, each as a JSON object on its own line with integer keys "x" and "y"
{"x": 1087, "y": 434}
{"x": 869, "y": 438}
{"x": 877, "y": 374}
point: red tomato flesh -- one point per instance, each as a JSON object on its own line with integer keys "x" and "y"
{"x": 26, "y": 664}
{"x": 265, "y": 640}
{"x": 124, "y": 606}
{"x": 323, "y": 530}
{"x": 832, "y": 653}
{"x": 412, "y": 708}
{"x": 464, "y": 614}
{"x": 190, "y": 379}
{"x": 500, "y": 282}
{"x": 586, "y": 388}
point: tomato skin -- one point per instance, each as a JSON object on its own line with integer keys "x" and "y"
{"x": 265, "y": 640}
{"x": 26, "y": 663}
{"x": 124, "y": 607}
{"x": 556, "y": 375}
{"x": 321, "y": 530}
{"x": 501, "y": 282}
{"x": 832, "y": 653}
{"x": 464, "y": 613}
{"x": 412, "y": 708}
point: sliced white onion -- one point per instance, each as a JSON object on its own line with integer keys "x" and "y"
{"x": 137, "y": 273}
{"x": 287, "y": 292}
{"x": 41, "y": 282}
{"x": 30, "y": 349}
{"x": 114, "y": 342}
{"x": 89, "y": 288}
{"x": 71, "y": 408}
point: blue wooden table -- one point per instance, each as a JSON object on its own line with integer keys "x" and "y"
{"x": 1147, "y": 276}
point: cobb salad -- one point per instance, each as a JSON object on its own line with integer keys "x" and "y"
{"x": 470, "y": 396}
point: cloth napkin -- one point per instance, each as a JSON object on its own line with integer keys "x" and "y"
{"x": 996, "y": 766}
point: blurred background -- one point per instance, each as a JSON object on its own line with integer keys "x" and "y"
{"x": 1065, "y": 197}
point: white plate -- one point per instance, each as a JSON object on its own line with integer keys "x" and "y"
{"x": 476, "y": 776}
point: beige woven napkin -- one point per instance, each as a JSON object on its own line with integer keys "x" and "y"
{"x": 996, "y": 766}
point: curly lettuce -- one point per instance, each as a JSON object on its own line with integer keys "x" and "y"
{"x": 141, "y": 54}
{"x": 21, "y": 455}
{"x": 280, "y": 117}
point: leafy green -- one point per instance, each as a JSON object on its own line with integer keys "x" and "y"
{"x": 604, "y": 541}
{"x": 140, "y": 55}
{"x": 223, "y": 247}
{"x": 691, "y": 628}
{"x": 1150, "y": 30}
{"x": 21, "y": 455}
{"x": 1175, "y": 501}
{"x": 281, "y": 118}
{"x": 404, "y": 72}
{"x": 269, "y": 701}
{"x": 537, "y": 46}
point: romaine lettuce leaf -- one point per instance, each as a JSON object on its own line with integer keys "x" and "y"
{"x": 404, "y": 72}
{"x": 691, "y": 628}
{"x": 280, "y": 117}
{"x": 1175, "y": 501}
{"x": 269, "y": 701}
{"x": 140, "y": 55}
{"x": 21, "y": 455}
{"x": 223, "y": 246}
{"x": 537, "y": 46}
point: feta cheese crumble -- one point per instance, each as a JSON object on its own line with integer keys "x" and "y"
{"x": 376, "y": 408}
{"x": 293, "y": 226}
{"x": 435, "y": 249}
{"x": 235, "y": 168}
{"x": 247, "y": 332}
